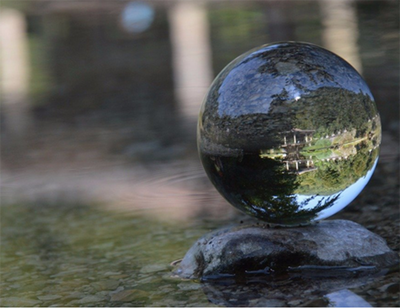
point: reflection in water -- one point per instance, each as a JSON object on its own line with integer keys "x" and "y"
{"x": 346, "y": 298}
{"x": 286, "y": 290}
{"x": 285, "y": 130}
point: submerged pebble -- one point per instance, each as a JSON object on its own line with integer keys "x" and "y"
{"x": 49, "y": 297}
{"x": 128, "y": 295}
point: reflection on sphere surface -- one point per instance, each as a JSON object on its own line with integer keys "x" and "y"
{"x": 289, "y": 133}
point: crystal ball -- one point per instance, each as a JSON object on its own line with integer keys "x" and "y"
{"x": 289, "y": 133}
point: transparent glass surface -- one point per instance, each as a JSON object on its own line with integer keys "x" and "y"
{"x": 289, "y": 133}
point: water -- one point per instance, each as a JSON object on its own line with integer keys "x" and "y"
{"x": 101, "y": 184}
{"x": 287, "y": 130}
{"x": 75, "y": 254}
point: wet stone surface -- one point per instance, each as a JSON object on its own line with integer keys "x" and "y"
{"x": 336, "y": 246}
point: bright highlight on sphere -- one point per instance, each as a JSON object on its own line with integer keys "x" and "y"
{"x": 289, "y": 133}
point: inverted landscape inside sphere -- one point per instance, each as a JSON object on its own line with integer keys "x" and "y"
{"x": 289, "y": 133}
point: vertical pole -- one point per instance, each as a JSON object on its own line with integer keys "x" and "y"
{"x": 340, "y": 32}
{"x": 191, "y": 47}
{"x": 14, "y": 70}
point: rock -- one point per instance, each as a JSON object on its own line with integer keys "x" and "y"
{"x": 251, "y": 247}
{"x": 108, "y": 284}
{"x": 112, "y": 273}
{"x": 18, "y": 301}
{"x": 128, "y": 295}
{"x": 188, "y": 286}
{"x": 153, "y": 268}
{"x": 49, "y": 297}
{"x": 90, "y": 299}
{"x": 266, "y": 303}
{"x": 319, "y": 302}
{"x": 393, "y": 288}
{"x": 294, "y": 303}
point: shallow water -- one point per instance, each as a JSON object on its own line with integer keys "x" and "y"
{"x": 76, "y": 254}
{"x": 101, "y": 184}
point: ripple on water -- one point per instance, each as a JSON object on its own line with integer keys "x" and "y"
{"x": 181, "y": 193}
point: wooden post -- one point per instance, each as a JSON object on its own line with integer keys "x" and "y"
{"x": 192, "y": 65}
{"x": 340, "y": 33}
{"x": 14, "y": 68}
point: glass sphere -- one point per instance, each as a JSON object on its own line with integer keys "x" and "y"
{"x": 289, "y": 133}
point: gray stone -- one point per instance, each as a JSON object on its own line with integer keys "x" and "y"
{"x": 90, "y": 299}
{"x": 18, "y": 301}
{"x": 153, "y": 268}
{"x": 254, "y": 247}
{"x": 109, "y": 284}
{"x": 188, "y": 286}
{"x": 49, "y": 297}
{"x": 129, "y": 295}
{"x": 391, "y": 288}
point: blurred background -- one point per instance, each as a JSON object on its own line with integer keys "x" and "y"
{"x": 99, "y": 104}
{"x": 100, "y": 97}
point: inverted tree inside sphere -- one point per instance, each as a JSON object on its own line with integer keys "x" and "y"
{"x": 289, "y": 133}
